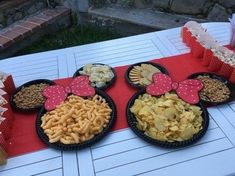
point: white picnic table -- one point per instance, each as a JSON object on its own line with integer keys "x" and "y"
{"x": 122, "y": 153}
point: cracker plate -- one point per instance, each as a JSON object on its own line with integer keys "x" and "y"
{"x": 138, "y": 86}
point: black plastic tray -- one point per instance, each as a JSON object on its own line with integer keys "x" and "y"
{"x": 132, "y": 122}
{"x": 108, "y": 84}
{"x": 223, "y": 80}
{"x": 138, "y": 86}
{"x": 98, "y": 137}
{"x": 38, "y": 81}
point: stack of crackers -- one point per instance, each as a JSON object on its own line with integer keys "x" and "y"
{"x": 142, "y": 74}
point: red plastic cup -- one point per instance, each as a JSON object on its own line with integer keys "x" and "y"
{"x": 215, "y": 64}
{"x": 207, "y": 56}
{"x": 187, "y": 36}
{"x": 3, "y": 150}
{"x": 232, "y": 76}
{"x": 3, "y": 142}
{"x": 9, "y": 85}
{"x": 6, "y": 125}
{"x": 183, "y": 33}
{"x": 192, "y": 41}
{"x": 197, "y": 50}
{"x": 225, "y": 70}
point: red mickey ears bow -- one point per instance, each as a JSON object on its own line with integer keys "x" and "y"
{"x": 56, "y": 94}
{"x": 186, "y": 90}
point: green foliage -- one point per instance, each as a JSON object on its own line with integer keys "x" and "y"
{"x": 98, "y": 3}
{"x": 3, "y": 20}
{"x": 76, "y": 35}
{"x": 52, "y": 3}
{"x": 128, "y": 2}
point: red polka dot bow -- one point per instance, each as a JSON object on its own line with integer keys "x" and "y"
{"x": 56, "y": 94}
{"x": 186, "y": 90}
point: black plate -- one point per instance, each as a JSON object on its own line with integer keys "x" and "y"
{"x": 138, "y": 86}
{"x": 107, "y": 85}
{"x": 132, "y": 122}
{"x": 223, "y": 80}
{"x": 38, "y": 81}
{"x": 98, "y": 137}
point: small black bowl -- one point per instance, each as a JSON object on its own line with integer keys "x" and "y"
{"x": 38, "y": 81}
{"x": 138, "y": 86}
{"x": 230, "y": 86}
{"x": 68, "y": 147}
{"x": 107, "y": 85}
{"x": 132, "y": 122}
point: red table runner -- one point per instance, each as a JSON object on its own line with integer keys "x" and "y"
{"x": 24, "y": 138}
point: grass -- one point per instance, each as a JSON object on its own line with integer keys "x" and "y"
{"x": 73, "y": 36}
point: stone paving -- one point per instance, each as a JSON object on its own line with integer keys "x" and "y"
{"x": 148, "y": 15}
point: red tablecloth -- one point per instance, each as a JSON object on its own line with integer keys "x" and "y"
{"x": 24, "y": 138}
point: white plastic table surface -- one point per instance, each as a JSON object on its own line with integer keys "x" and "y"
{"x": 122, "y": 152}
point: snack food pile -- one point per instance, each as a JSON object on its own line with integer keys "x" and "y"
{"x": 30, "y": 97}
{"x": 6, "y": 115}
{"x": 213, "y": 90}
{"x": 99, "y": 75}
{"x": 167, "y": 118}
{"x": 142, "y": 74}
{"x": 74, "y": 116}
{"x": 76, "y": 119}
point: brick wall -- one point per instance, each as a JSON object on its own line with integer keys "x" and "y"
{"x": 14, "y": 10}
{"x": 23, "y": 33}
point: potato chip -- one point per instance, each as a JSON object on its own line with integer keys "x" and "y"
{"x": 167, "y": 118}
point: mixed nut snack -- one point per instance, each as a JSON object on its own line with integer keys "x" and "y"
{"x": 143, "y": 74}
{"x": 99, "y": 75}
{"x": 167, "y": 118}
{"x": 214, "y": 90}
{"x": 30, "y": 97}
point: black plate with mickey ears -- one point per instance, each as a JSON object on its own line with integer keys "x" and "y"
{"x": 88, "y": 143}
{"x": 108, "y": 84}
{"x": 132, "y": 122}
{"x": 138, "y": 86}
{"x": 230, "y": 86}
{"x": 30, "y": 83}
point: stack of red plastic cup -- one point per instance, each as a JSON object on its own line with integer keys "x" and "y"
{"x": 197, "y": 49}
{"x": 7, "y": 87}
{"x": 215, "y": 64}
{"x": 7, "y": 113}
{"x": 205, "y": 47}
{"x": 207, "y": 56}
{"x": 186, "y": 36}
{"x": 226, "y": 70}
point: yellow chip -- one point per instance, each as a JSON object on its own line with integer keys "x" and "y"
{"x": 167, "y": 118}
